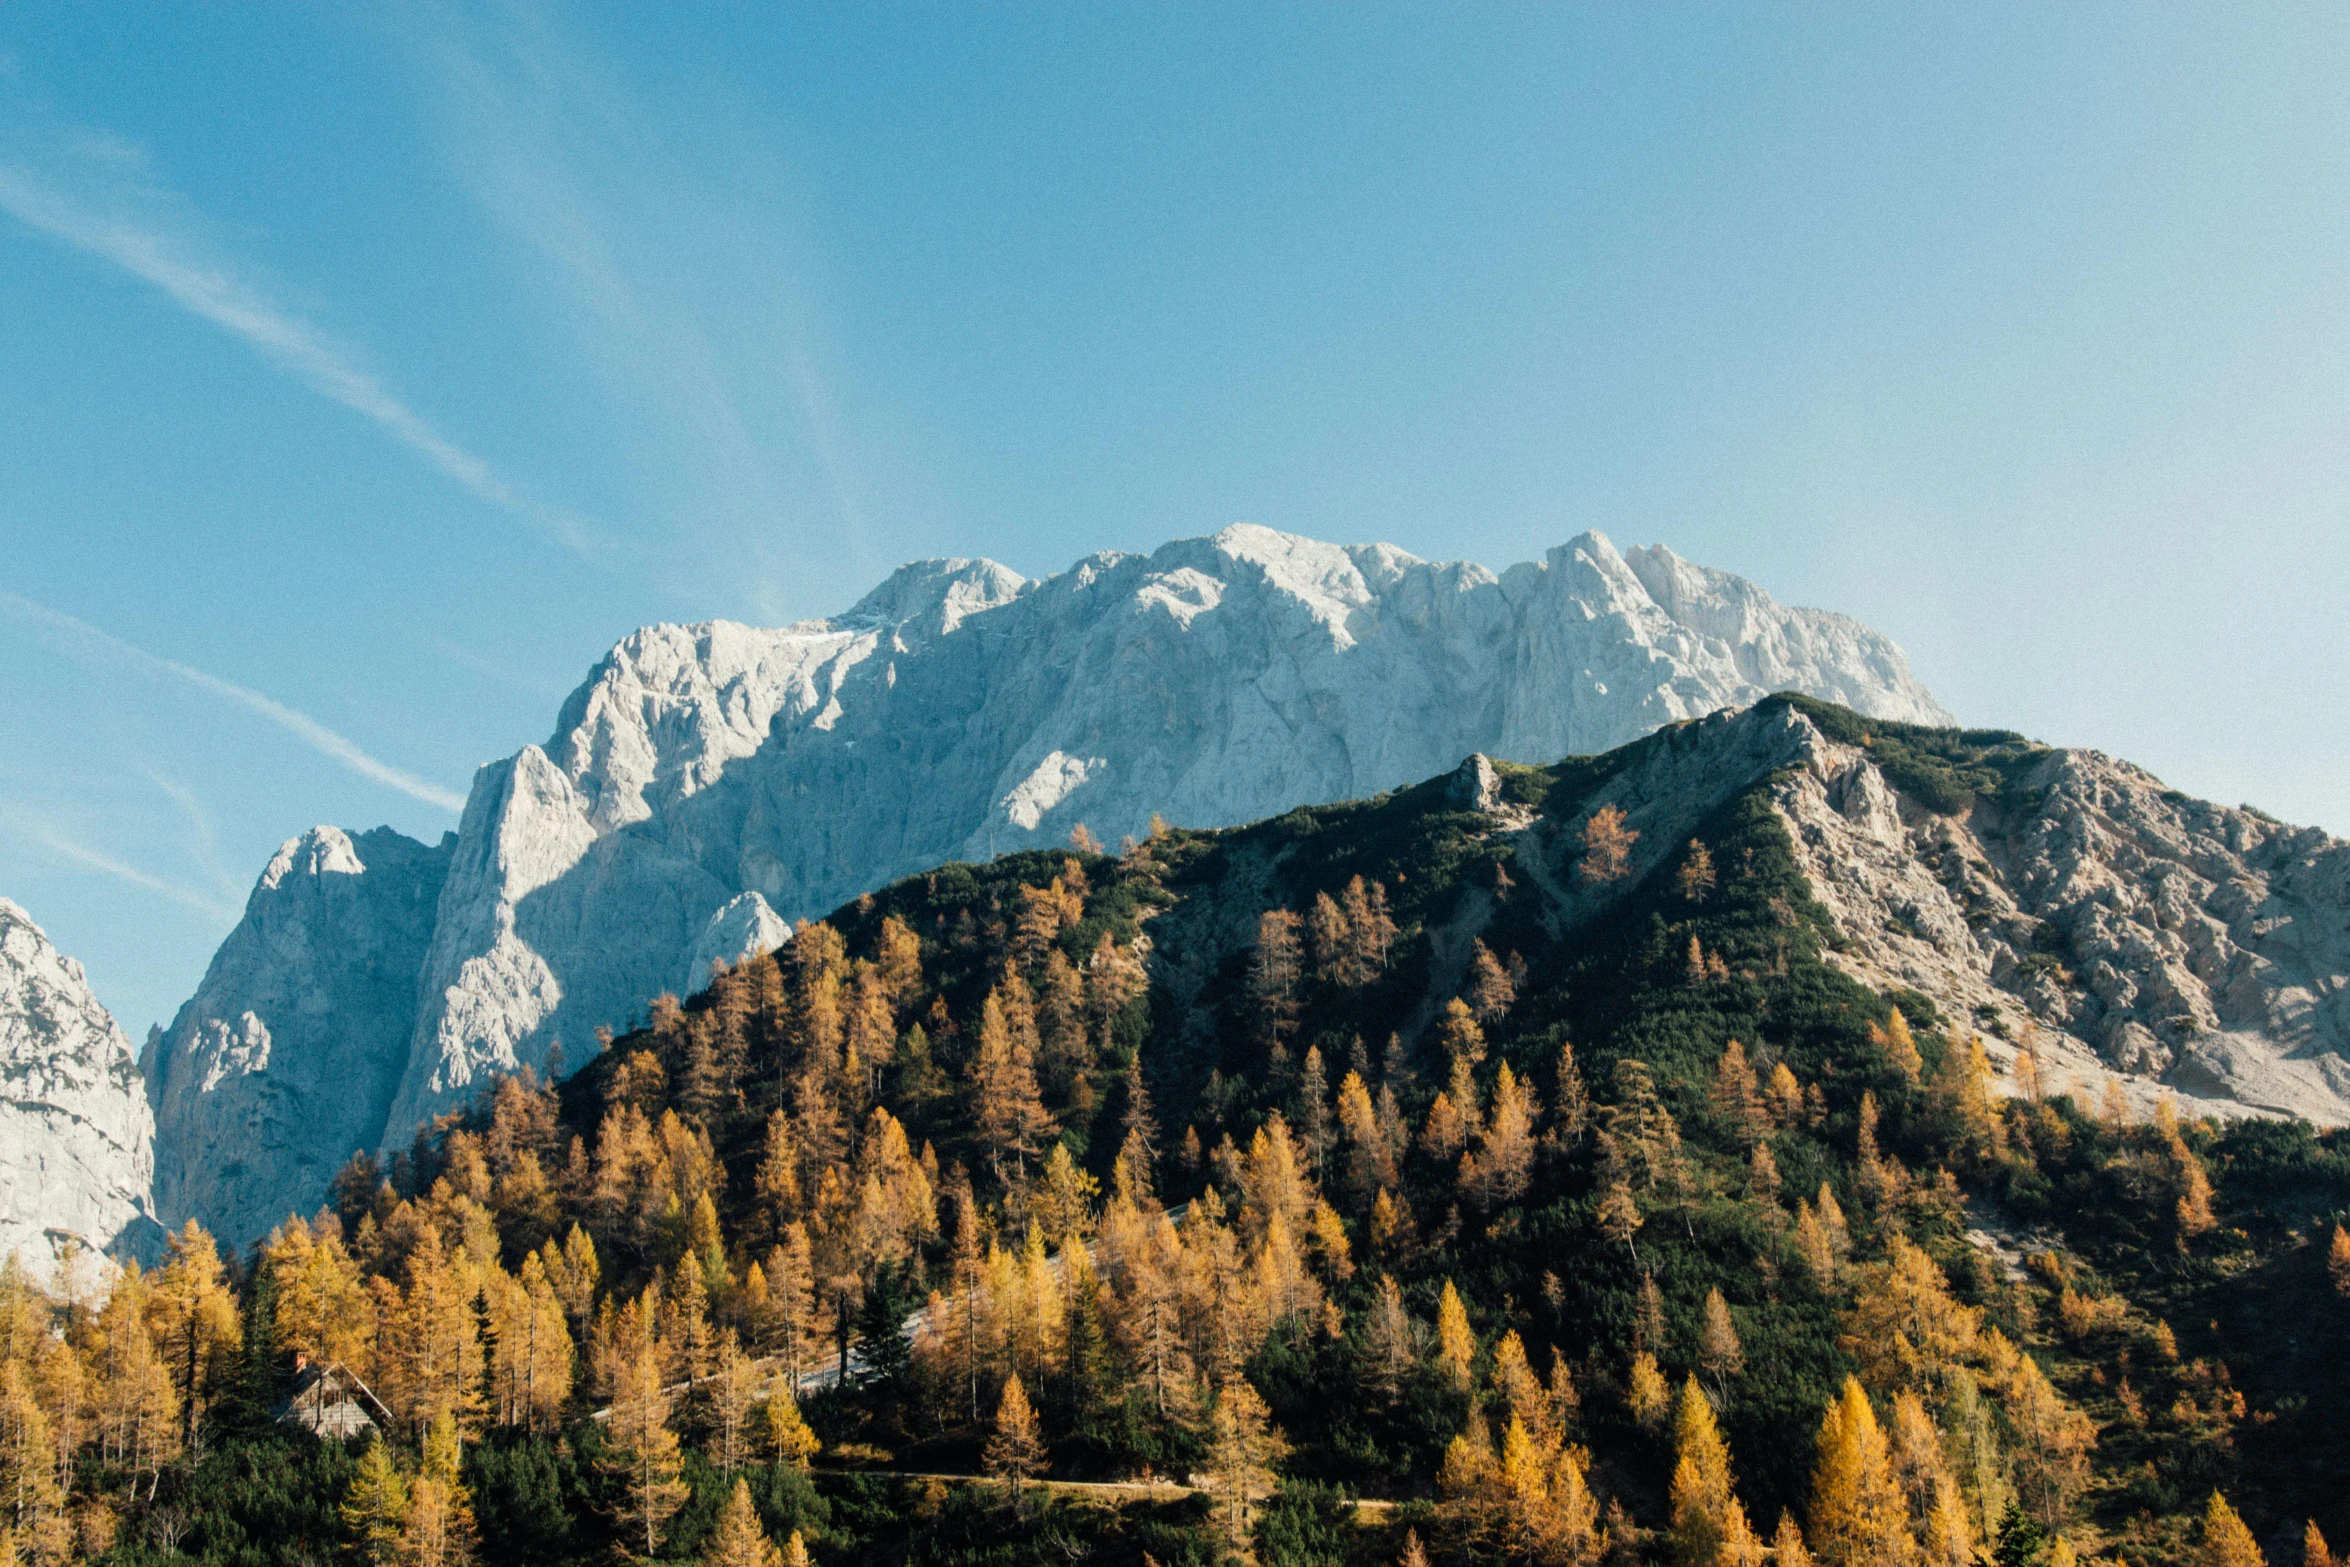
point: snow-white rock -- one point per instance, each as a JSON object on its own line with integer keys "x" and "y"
{"x": 960, "y": 711}
{"x": 76, "y": 1136}
{"x": 744, "y": 927}
{"x": 285, "y": 1061}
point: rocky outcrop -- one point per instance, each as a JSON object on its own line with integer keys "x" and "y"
{"x": 75, "y": 1132}
{"x": 710, "y": 782}
{"x": 285, "y": 1061}
{"x": 2142, "y": 938}
{"x": 2142, "y": 934}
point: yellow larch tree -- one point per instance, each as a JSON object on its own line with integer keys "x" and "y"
{"x": 1607, "y": 847}
{"x": 740, "y": 1540}
{"x": 641, "y": 1449}
{"x": 1456, "y": 1343}
{"x": 2226, "y": 1542}
{"x": 1015, "y": 1449}
{"x": 1703, "y": 1493}
{"x": 1243, "y": 1447}
{"x": 1857, "y": 1516}
{"x": 193, "y": 1319}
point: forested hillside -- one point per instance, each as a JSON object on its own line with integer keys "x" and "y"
{"x": 1411, "y": 1150}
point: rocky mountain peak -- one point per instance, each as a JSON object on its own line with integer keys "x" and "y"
{"x": 76, "y": 1135}
{"x": 708, "y": 783}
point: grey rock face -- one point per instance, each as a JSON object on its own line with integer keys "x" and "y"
{"x": 2149, "y": 940}
{"x": 709, "y": 782}
{"x": 2161, "y": 939}
{"x": 75, "y": 1133}
{"x": 285, "y": 1061}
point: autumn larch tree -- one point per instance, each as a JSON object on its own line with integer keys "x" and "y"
{"x": 1456, "y": 1344}
{"x": 1703, "y": 1494}
{"x": 1857, "y": 1515}
{"x": 1243, "y": 1446}
{"x": 1007, "y": 1105}
{"x": 376, "y": 1505}
{"x": 1490, "y": 991}
{"x": 1718, "y": 1351}
{"x": 1696, "y": 876}
{"x": 740, "y": 1540}
{"x": 641, "y": 1449}
{"x": 1273, "y": 976}
{"x": 1607, "y": 847}
{"x": 2226, "y": 1542}
{"x": 1015, "y": 1450}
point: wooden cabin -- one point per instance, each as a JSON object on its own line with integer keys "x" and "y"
{"x": 330, "y": 1401}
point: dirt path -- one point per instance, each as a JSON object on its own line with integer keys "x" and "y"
{"x": 1103, "y": 1490}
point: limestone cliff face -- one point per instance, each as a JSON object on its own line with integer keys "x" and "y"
{"x": 75, "y": 1132}
{"x": 708, "y": 783}
{"x": 2165, "y": 939}
{"x": 2154, "y": 941}
{"x": 960, "y": 712}
{"x": 284, "y": 1062}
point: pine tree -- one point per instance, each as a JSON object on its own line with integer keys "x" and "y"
{"x": 375, "y": 1508}
{"x": 2338, "y": 1261}
{"x": 2314, "y": 1551}
{"x": 1327, "y": 939}
{"x": 795, "y": 1551}
{"x": 897, "y": 960}
{"x": 1571, "y": 1109}
{"x": 1389, "y": 1346}
{"x": 1787, "y": 1547}
{"x": 1648, "y": 1317}
{"x": 1900, "y": 1046}
{"x": 1015, "y": 1451}
{"x": 1313, "y": 1121}
{"x": 740, "y": 1540}
{"x": 1736, "y": 1099}
{"x": 731, "y": 1389}
{"x": 1498, "y": 1172}
{"x": 193, "y": 1318}
{"x": 2052, "y": 1443}
{"x": 1618, "y": 1212}
{"x": 1063, "y": 1200}
{"x": 1645, "y": 1392}
{"x": 32, "y": 1503}
{"x": 439, "y": 1529}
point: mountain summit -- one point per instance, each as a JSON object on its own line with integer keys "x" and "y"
{"x": 710, "y": 782}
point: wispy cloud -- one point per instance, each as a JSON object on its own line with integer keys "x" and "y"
{"x": 94, "y": 193}
{"x": 35, "y": 828}
{"x": 683, "y": 271}
{"x": 309, "y": 730}
{"x": 205, "y": 847}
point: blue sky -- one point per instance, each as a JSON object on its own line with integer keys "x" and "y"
{"x": 364, "y": 372}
